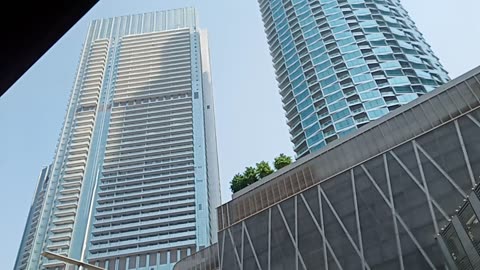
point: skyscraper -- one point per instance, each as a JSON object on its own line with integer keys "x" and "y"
{"x": 343, "y": 63}
{"x": 134, "y": 183}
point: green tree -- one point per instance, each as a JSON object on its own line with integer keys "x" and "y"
{"x": 263, "y": 169}
{"x": 250, "y": 175}
{"x": 237, "y": 183}
{"x": 281, "y": 161}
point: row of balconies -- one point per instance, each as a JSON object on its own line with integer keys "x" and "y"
{"x": 178, "y": 196}
{"x": 160, "y": 38}
{"x": 186, "y": 118}
{"x": 147, "y": 152}
{"x": 153, "y": 81}
{"x": 114, "y": 145}
{"x": 140, "y": 207}
{"x": 158, "y": 65}
{"x": 158, "y": 106}
{"x": 139, "y": 232}
{"x": 142, "y": 224}
{"x": 150, "y": 117}
{"x": 153, "y": 74}
{"x": 150, "y": 61}
{"x": 154, "y": 215}
{"x": 165, "y": 170}
{"x": 159, "y": 191}
{"x": 125, "y": 161}
{"x": 153, "y": 132}
{"x": 145, "y": 40}
{"x": 142, "y": 248}
{"x": 148, "y": 51}
{"x": 172, "y": 133}
{"x": 179, "y": 90}
{"x": 125, "y": 164}
{"x": 146, "y": 240}
{"x": 157, "y": 69}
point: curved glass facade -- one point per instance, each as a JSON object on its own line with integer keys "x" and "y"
{"x": 343, "y": 63}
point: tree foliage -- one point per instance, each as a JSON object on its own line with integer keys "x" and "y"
{"x": 250, "y": 175}
{"x": 281, "y": 161}
{"x": 263, "y": 169}
{"x": 253, "y": 174}
{"x": 237, "y": 183}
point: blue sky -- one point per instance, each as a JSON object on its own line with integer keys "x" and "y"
{"x": 250, "y": 121}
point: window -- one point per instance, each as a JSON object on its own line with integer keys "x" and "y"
{"x": 377, "y": 113}
{"x": 352, "y": 55}
{"x": 328, "y": 90}
{"x": 402, "y": 80}
{"x": 338, "y": 105}
{"x": 362, "y": 78}
{"x": 328, "y": 81}
{"x": 341, "y": 114}
{"x": 344, "y": 124}
{"x": 312, "y": 130}
{"x": 358, "y": 70}
{"x": 390, "y": 65}
{"x": 370, "y": 95}
{"x": 374, "y": 103}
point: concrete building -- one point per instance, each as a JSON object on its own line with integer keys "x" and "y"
{"x": 134, "y": 183}
{"x": 343, "y": 63}
{"x": 374, "y": 199}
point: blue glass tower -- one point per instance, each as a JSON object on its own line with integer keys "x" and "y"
{"x": 343, "y": 63}
{"x": 134, "y": 183}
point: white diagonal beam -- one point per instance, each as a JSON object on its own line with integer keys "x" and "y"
{"x": 415, "y": 180}
{"x": 465, "y": 153}
{"x": 251, "y": 245}
{"x": 404, "y": 225}
{"x": 440, "y": 169}
{"x": 322, "y": 233}
{"x": 291, "y": 236}
{"x": 425, "y": 185}
{"x": 343, "y": 227}
{"x": 357, "y": 216}
{"x": 395, "y": 224}
{"x": 235, "y": 249}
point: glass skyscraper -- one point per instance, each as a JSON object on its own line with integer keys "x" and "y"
{"x": 343, "y": 63}
{"x": 134, "y": 183}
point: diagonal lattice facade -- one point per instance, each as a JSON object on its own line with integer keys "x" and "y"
{"x": 379, "y": 207}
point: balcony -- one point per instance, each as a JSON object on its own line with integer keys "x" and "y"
{"x": 63, "y": 221}
{"x": 61, "y": 237}
{"x": 73, "y": 170}
{"x": 68, "y": 198}
{"x": 58, "y": 245}
{"x": 62, "y": 228}
{"x": 66, "y": 213}
{"x": 73, "y": 177}
{"x": 69, "y": 190}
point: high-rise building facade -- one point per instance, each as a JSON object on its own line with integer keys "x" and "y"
{"x": 343, "y": 63}
{"x": 134, "y": 183}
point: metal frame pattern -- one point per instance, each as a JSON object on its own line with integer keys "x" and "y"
{"x": 409, "y": 191}
{"x": 422, "y": 115}
{"x": 374, "y": 200}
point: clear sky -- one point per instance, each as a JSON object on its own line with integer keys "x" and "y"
{"x": 250, "y": 120}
